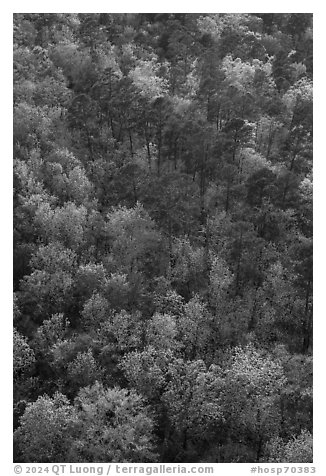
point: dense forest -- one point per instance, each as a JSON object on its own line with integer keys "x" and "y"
{"x": 162, "y": 237}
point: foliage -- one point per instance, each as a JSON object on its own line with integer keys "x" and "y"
{"x": 114, "y": 426}
{"x": 23, "y": 354}
{"x": 297, "y": 450}
{"x": 163, "y": 232}
{"x": 45, "y": 433}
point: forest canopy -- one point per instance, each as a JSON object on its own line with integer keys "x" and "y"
{"x": 162, "y": 237}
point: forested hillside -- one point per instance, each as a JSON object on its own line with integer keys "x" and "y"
{"x": 163, "y": 237}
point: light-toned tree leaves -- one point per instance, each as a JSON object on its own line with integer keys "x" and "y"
{"x": 23, "y": 355}
{"x": 114, "y": 426}
{"x": 45, "y": 433}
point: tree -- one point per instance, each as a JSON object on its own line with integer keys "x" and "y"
{"x": 51, "y": 332}
{"x": 46, "y": 429}
{"x": 250, "y": 398}
{"x": 297, "y": 450}
{"x": 114, "y": 425}
{"x": 122, "y": 330}
{"x": 89, "y": 280}
{"x": 188, "y": 269}
{"x": 95, "y": 311}
{"x": 134, "y": 238}
{"x": 161, "y": 332}
{"x": 193, "y": 407}
{"x": 194, "y": 327}
{"x": 146, "y": 370}
{"x": 24, "y": 356}
{"x": 65, "y": 224}
{"x": 65, "y": 176}
{"x": 163, "y": 237}
{"x": 47, "y": 290}
{"x": 82, "y": 371}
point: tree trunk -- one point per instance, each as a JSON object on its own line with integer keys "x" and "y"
{"x": 308, "y": 320}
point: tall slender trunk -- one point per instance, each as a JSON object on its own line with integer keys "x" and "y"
{"x": 89, "y": 145}
{"x": 237, "y": 280}
{"x": 159, "y": 150}
{"x": 307, "y": 329}
{"x": 218, "y": 124}
{"x": 270, "y": 140}
{"x": 148, "y": 149}
{"x": 131, "y": 144}
{"x": 111, "y": 126}
{"x": 202, "y": 187}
